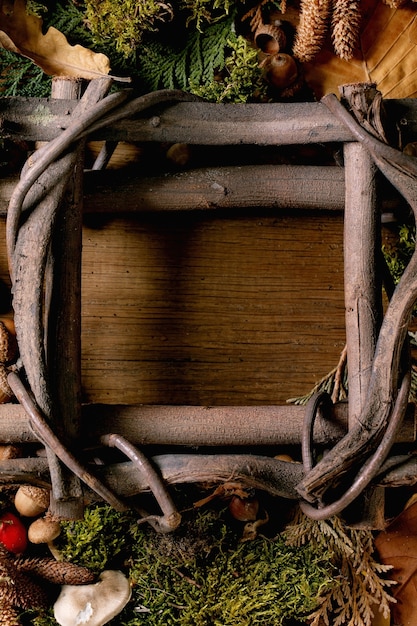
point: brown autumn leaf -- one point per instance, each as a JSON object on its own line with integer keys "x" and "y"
{"x": 397, "y": 546}
{"x": 22, "y": 33}
{"x": 386, "y": 56}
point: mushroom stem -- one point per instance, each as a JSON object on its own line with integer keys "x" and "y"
{"x": 171, "y": 518}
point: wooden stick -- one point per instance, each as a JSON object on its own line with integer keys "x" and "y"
{"x": 199, "y": 425}
{"x": 40, "y": 119}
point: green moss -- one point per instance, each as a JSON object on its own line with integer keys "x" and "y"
{"x": 121, "y": 23}
{"x": 398, "y": 253}
{"x": 202, "y": 574}
{"x": 100, "y": 540}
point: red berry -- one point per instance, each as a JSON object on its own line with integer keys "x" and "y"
{"x": 13, "y": 534}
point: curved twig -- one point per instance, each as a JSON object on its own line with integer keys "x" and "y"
{"x": 363, "y": 438}
{"x": 372, "y": 465}
{"x": 171, "y": 518}
{"x": 47, "y": 155}
{"x": 46, "y": 435}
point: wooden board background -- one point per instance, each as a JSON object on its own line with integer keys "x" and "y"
{"x": 209, "y": 309}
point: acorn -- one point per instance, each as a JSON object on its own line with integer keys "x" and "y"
{"x": 31, "y": 501}
{"x": 44, "y": 530}
{"x": 244, "y": 509}
{"x": 280, "y": 70}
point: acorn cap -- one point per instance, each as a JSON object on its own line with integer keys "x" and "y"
{"x": 93, "y": 605}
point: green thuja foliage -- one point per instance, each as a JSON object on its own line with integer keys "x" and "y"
{"x": 196, "y": 61}
{"x": 19, "y": 76}
{"x": 216, "y": 64}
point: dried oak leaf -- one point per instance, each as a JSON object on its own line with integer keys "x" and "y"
{"x": 385, "y": 54}
{"x": 22, "y": 33}
{"x": 397, "y": 546}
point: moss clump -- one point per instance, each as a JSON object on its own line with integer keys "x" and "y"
{"x": 202, "y": 574}
{"x": 398, "y": 253}
{"x": 122, "y": 23}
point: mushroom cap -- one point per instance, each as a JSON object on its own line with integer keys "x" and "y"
{"x": 93, "y": 605}
{"x": 43, "y": 530}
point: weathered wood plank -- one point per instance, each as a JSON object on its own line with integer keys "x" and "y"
{"x": 209, "y": 310}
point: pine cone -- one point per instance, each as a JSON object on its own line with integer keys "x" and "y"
{"x": 312, "y": 29}
{"x": 8, "y": 616}
{"x": 57, "y": 572}
{"x": 16, "y": 588}
{"x": 346, "y": 21}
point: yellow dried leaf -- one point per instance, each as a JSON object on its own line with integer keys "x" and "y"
{"x": 386, "y": 55}
{"x": 22, "y": 33}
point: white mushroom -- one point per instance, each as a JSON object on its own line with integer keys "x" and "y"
{"x": 93, "y": 605}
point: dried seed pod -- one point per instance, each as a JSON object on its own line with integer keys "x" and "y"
{"x": 8, "y": 343}
{"x": 6, "y": 394}
{"x": 270, "y": 38}
{"x": 280, "y": 70}
{"x": 31, "y": 501}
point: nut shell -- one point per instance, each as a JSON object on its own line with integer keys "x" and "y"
{"x": 31, "y": 501}
{"x": 270, "y": 38}
{"x": 244, "y": 509}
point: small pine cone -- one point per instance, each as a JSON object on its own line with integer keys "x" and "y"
{"x": 8, "y": 615}
{"x": 346, "y": 21}
{"x": 6, "y": 394}
{"x": 57, "y": 572}
{"x": 16, "y": 588}
{"x": 312, "y": 29}
{"x": 8, "y": 343}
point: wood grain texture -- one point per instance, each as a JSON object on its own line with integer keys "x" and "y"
{"x": 210, "y": 311}
{"x": 206, "y": 309}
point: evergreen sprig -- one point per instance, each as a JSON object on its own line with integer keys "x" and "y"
{"x": 197, "y": 62}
